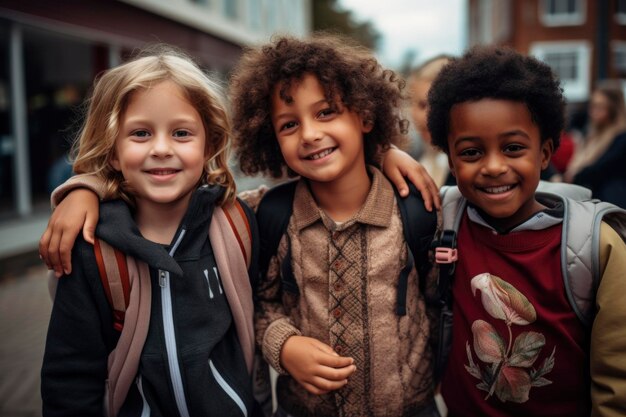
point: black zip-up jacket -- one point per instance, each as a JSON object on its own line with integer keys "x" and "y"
{"x": 191, "y": 364}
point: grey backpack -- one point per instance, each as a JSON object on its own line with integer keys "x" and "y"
{"x": 580, "y": 249}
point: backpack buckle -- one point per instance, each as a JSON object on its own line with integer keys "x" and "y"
{"x": 445, "y": 255}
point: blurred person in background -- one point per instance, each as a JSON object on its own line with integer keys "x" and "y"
{"x": 420, "y": 79}
{"x": 598, "y": 162}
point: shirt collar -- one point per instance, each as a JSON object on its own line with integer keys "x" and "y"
{"x": 376, "y": 210}
{"x": 539, "y": 221}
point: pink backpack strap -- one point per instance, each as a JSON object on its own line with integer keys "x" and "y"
{"x": 126, "y": 282}
{"x": 232, "y": 258}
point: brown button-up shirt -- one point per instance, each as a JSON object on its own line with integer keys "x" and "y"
{"x": 347, "y": 275}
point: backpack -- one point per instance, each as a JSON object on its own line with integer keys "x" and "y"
{"x": 113, "y": 268}
{"x": 419, "y": 227}
{"x": 580, "y": 250}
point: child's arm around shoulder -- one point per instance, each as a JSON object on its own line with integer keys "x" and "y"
{"x": 75, "y": 204}
{"x": 398, "y": 166}
{"x": 76, "y": 208}
{"x": 608, "y": 335}
{"x": 75, "y": 361}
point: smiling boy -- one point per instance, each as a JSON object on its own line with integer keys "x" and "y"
{"x": 518, "y": 348}
{"x": 349, "y": 334}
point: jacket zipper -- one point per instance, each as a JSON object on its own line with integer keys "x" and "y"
{"x": 145, "y": 408}
{"x": 170, "y": 336}
{"x": 228, "y": 389}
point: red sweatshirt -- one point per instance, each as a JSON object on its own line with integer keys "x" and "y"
{"x": 518, "y": 348}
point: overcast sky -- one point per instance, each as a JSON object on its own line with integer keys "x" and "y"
{"x": 429, "y": 27}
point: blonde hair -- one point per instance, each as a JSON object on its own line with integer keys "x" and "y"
{"x": 112, "y": 90}
{"x": 429, "y": 69}
{"x": 600, "y": 138}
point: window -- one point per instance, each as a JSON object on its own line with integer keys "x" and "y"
{"x": 562, "y": 12}
{"x": 231, "y": 9}
{"x": 203, "y": 3}
{"x": 619, "y": 58}
{"x": 255, "y": 17}
{"x": 571, "y": 62}
{"x": 620, "y": 11}
{"x": 7, "y": 138}
{"x": 563, "y": 63}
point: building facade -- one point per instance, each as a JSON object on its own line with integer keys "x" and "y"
{"x": 582, "y": 40}
{"x": 50, "y": 52}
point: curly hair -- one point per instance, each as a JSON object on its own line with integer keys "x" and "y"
{"x": 95, "y": 144}
{"x": 487, "y": 72}
{"x": 349, "y": 75}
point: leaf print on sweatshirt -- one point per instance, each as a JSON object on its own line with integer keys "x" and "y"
{"x": 506, "y": 368}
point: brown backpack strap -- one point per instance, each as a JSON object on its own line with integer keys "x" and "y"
{"x": 114, "y": 276}
{"x": 238, "y": 221}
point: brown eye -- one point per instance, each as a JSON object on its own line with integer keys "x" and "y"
{"x": 325, "y": 113}
{"x": 288, "y": 125}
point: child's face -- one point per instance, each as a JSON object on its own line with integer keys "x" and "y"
{"x": 160, "y": 148}
{"x": 496, "y": 155}
{"x": 599, "y": 109}
{"x": 419, "y": 107}
{"x": 318, "y": 143}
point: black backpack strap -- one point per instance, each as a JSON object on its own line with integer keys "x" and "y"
{"x": 253, "y": 265}
{"x": 273, "y": 216}
{"x": 419, "y": 226}
{"x": 446, "y": 256}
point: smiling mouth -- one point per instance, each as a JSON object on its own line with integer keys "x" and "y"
{"x": 321, "y": 154}
{"x": 497, "y": 190}
{"x": 168, "y": 171}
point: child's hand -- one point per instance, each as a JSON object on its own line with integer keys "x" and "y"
{"x": 315, "y": 365}
{"x": 78, "y": 209}
{"x": 398, "y": 164}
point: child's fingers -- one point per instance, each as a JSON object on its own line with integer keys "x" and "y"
{"x": 427, "y": 187}
{"x": 65, "y": 251}
{"x": 324, "y": 385}
{"x": 313, "y": 389}
{"x": 53, "y": 253}
{"x": 89, "y": 229}
{"x": 333, "y": 360}
{"x": 398, "y": 181}
{"x": 324, "y": 347}
{"x": 335, "y": 374}
{"x": 44, "y": 242}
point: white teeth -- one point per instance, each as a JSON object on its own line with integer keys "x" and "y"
{"x": 497, "y": 190}
{"x": 162, "y": 171}
{"x": 321, "y": 154}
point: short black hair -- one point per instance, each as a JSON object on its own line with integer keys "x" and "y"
{"x": 501, "y": 73}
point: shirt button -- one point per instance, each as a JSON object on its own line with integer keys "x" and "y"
{"x": 338, "y": 349}
{"x": 337, "y": 313}
{"x": 335, "y": 235}
{"x": 338, "y": 286}
{"x": 338, "y": 264}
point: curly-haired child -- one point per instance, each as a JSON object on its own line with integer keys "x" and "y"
{"x": 156, "y": 134}
{"x": 324, "y": 109}
{"x": 519, "y": 349}
{"x": 377, "y": 92}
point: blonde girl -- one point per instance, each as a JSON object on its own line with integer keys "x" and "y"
{"x": 155, "y": 137}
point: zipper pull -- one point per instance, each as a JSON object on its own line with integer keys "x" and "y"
{"x": 162, "y": 279}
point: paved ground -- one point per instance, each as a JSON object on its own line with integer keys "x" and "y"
{"x": 24, "y": 313}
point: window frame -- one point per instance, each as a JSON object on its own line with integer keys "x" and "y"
{"x": 563, "y": 19}
{"x": 574, "y": 89}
